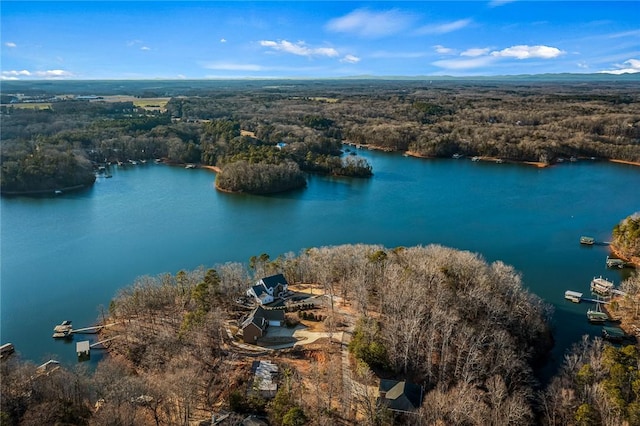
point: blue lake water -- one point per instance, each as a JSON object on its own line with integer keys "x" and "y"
{"x": 64, "y": 257}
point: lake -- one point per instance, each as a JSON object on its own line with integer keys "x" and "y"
{"x": 64, "y": 258}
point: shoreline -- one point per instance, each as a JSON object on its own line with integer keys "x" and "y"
{"x": 631, "y": 163}
{"x": 52, "y": 192}
{"x": 635, "y": 261}
{"x": 215, "y": 169}
{"x": 537, "y": 164}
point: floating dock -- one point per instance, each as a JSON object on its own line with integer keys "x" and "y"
{"x": 601, "y": 286}
{"x": 62, "y": 331}
{"x": 597, "y": 316}
{"x": 613, "y": 334}
{"x": 588, "y": 241}
{"x": 577, "y": 297}
{"x": 6, "y": 350}
{"x": 613, "y": 262}
{"x": 65, "y": 331}
{"x": 573, "y": 296}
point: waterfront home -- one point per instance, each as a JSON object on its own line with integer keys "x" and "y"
{"x": 253, "y": 328}
{"x": 255, "y": 325}
{"x": 401, "y": 396}
{"x": 268, "y": 288}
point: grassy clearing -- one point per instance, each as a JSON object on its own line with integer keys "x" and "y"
{"x": 151, "y": 104}
{"x": 32, "y": 105}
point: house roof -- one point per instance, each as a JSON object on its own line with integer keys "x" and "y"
{"x": 258, "y": 290}
{"x": 269, "y": 314}
{"x": 258, "y": 321}
{"x": 274, "y": 280}
{"x": 265, "y": 372}
{"x": 400, "y": 396}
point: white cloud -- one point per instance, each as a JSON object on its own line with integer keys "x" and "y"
{"x": 444, "y": 28}
{"x": 630, "y": 66}
{"x": 145, "y": 48}
{"x": 299, "y": 48}
{"x": 366, "y": 23}
{"x": 463, "y": 64}
{"x": 14, "y": 73}
{"x": 475, "y": 52}
{"x": 481, "y": 57}
{"x": 583, "y": 65}
{"x": 231, "y": 66}
{"x": 528, "y": 52}
{"x": 632, "y": 33}
{"x": 350, "y": 59}
{"x": 223, "y": 40}
{"x": 10, "y": 44}
{"x": 53, "y": 74}
{"x": 443, "y": 50}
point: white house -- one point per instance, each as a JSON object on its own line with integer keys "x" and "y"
{"x": 267, "y": 289}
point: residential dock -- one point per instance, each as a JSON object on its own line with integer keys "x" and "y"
{"x": 65, "y": 330}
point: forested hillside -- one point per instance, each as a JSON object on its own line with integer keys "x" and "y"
{"x": 465, "y": 330}
{"x": 626, "y": 238}
{"x": 271, "y": 123}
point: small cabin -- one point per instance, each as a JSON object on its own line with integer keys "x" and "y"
{"x": 573, "y": 296}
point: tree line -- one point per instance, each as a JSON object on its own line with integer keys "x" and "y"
{"x": 307, "y": 124}
{"x": 626, "y": 237}
{"x": 436, "y": 316}
{"x": 465, "y": 329}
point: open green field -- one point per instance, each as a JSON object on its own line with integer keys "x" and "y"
{"x": 32, "y": 105}
{"x": 152, "y": 104}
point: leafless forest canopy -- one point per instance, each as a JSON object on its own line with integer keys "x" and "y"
{"x": 273, "y": 123}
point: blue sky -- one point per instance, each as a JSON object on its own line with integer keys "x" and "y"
{"x": 238, "y": 39}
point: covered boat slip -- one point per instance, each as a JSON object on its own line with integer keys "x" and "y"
{"x": 601, "y": 286}
{"x": 573, "y": 296}
{"x": 613, "y": 334}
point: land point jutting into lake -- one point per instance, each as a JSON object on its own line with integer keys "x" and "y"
{"x": 378, "y": 288}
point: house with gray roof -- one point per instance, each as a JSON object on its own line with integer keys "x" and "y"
{"x": 267, "y": 289}
{"x": 400, "y": 396}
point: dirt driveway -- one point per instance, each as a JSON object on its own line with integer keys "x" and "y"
{"x": 298, "y": 335}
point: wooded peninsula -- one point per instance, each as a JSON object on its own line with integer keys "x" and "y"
{"x": 265, "y": 135}
{"x": 359, "y": 334}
